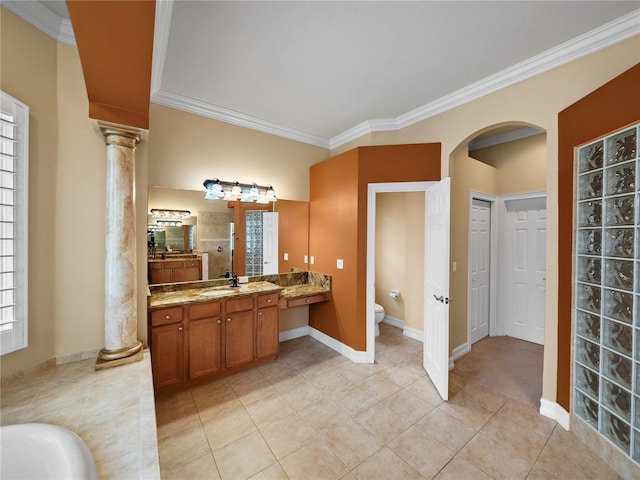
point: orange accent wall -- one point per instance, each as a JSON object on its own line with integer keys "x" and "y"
{"x": 293, "y": 234}
{"x": 115, "y": 43}
{"x": 338, "y": 226}
{"x": 609, "y": 108}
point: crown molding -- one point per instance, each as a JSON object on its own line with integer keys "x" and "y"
{"x": 58, "y": 28}
{"x": 203, "y": 109}
{"x": 613, "y": 32}
{"x": 608, "y": 34}
{"x": 510, "y": 136}
{"x": 164, "y": 13}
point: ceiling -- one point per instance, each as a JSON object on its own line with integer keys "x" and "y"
{"x": 327, "y": 72}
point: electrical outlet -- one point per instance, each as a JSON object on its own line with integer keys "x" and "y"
{"x": 306, "y": 259}
{"x": 340, "y": 264}
{"x": 243, "y": 279}
{"x": 286, "y": 256}
{"x": 313, "y": 260}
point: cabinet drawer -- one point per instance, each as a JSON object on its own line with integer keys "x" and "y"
{"x": 155, "y": 266}
{"x": 166, "y": 316}
{"x": 204, "y": 310}
{"x": 192, "y": 263}
{"x": 296, "y": 302}
{"x": 239, "y": 304}
{"x": 268, "y": 300}
{"x": 173, "y": 264}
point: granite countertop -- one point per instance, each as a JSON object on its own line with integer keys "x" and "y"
{"x": 206, "y": 294}
{"x": 174, "y": 258}
{"x": 295, "y": 291}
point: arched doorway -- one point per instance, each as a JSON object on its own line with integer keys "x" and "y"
{"x": 498, "y": 212}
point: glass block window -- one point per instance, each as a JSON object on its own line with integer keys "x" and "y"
{"x": 606, "y": 368}
{"x": 14, "y": 163}
{"x": 254, "y": 242}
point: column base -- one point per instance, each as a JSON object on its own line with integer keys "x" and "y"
{"x": 114, "y": 358}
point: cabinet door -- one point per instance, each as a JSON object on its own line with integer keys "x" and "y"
{"x": 162, "y": 276}
{"x": 204, "y": 346}
{"x": 238, "y": 338}
{"x": 186, "y": 274}
{"x": 167, "y": 355}
{"x": 268, "y": 335}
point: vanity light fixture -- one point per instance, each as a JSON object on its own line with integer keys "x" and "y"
{"x": 245, "y": 192}
{"x": 170, "y": 213}
{"x": 169, "y": 223}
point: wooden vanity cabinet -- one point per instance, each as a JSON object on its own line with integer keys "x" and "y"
{"x": 205, "y": 337}
{"x": 197, "y": 342}
{"x": 238, "y": 331}
{"x": 267, "y": 326}
{"x": 175, "y": 271}
{"x": 167, "y": 338}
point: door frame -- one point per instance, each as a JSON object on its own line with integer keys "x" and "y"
{"x": 493, "y": 263}
{"x": 373, "y": 189}
{"x": 502, "y": 240}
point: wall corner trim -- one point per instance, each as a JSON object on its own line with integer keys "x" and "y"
{"x": 355, "y": 356}
{"x": 460, "y": 351}
{"x": 554, "y": 411}
{"x": 413, "y": 333}
{"x": 294, "y": 333}
{"x": 394, "y": 322}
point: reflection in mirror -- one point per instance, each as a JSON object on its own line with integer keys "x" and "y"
{"x": 219, "y": 229}
{"x": 211, "y": 221}
{"x": 293, "y": 235}
{"x": 170, "y": 239}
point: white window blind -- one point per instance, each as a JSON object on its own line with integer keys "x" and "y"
{"x": 14, "y": 162}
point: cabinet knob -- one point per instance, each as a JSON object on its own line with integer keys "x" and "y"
{"x": 307, "y": 300}
{"x": 167, "y": 317}
{"x": 179, "y": 329}
{"x": 269, "y": 300}
{"x": 228, "y": 319}
{"x": 219, "y": 321}
{"x": 260, "y": 313}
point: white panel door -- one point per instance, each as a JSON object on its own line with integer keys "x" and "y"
{"x": 436, "y": 319}
{"x": 525, "y": 276}
{"x": 479, "y": 263}
{"x": 269, "y": 243}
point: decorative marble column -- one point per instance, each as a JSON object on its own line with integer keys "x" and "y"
{"x": 120, "y": 315}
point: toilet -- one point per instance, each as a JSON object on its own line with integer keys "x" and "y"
{"x": 379, "y": 317}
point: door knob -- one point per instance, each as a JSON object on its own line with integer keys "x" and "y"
{"x": 439, "y": 299}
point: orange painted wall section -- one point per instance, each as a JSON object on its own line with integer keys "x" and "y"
{"x": 293, "y": 234}
{"x": 609, "y": 108}
{"x": 115, "y": 42}
{"x": 338, "y": 226}
{"x": 333, "y": 229}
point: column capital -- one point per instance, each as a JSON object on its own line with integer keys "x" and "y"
{"x": 119, "y": 135}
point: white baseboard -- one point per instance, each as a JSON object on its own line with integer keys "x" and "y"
{"x": 394, "y": 322}
{"x": 406, "y": 331}
{"x": 459, "y": 351}
{"x": 294, "y": 333}
{"x": 413, "y": 333}
{"x": 555, "y": 412}
{"x": 353, "y": 355}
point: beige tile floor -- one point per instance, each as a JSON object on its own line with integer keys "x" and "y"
{"x": 313, "y": 414}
